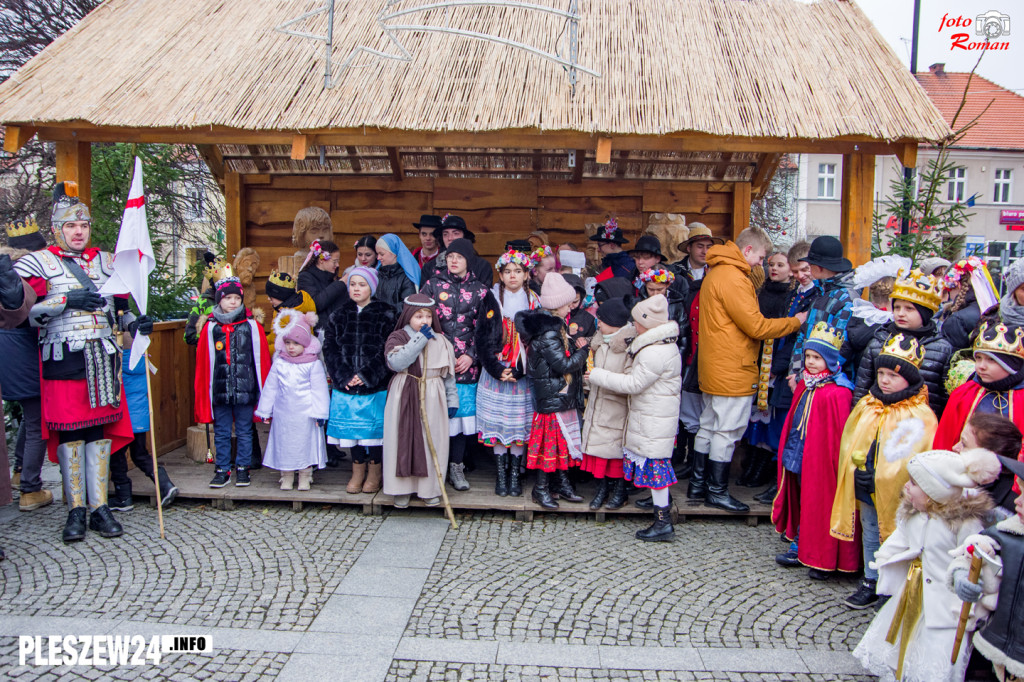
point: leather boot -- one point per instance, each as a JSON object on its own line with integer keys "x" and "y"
{"x": 682, "y": 456}
{"x": 659, "y": 531}
{"x": 74, "y": 527}
{"x": 763, "y": 471}
{"x": 601, "y": 496}
{"x": 287, "y": 480}
{"x": 749, "y": 464}
{"x": 501, "y": 479}
{"x": 515, "y": 484}
{"x": 102, "y": 521}
{"x": 768, "y": 496}
{"x": 618, "y": 498}
{"x": 122, "y": 500}
{"x": 355, "y": 484}
{"x": 97, "y": 478}
{"x": 305, "y": 478}
{"x": 698, "y": 488}
{"x": 541, "y": 495}
{"x": 168, "y": 491}
{"x": 718, "y": 489}
{"x": 71, "y": 456}
{"x": 563, "y": 488}
{"x": 648, "y": 503}
{"x": 374, "y": 475}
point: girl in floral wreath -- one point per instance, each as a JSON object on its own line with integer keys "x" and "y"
{"x": 504, "y": 401}
{"x": 318, "y": 277}
{"x": 544, "y": 261}
{"x": 661, "y": 280}
{"x": 972, "y": 293}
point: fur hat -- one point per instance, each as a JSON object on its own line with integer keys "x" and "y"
{"x": 297, "y": 327}
{"x": 368, "y": 274}
{"x": 556, "y": 292}
{"x": 227, "y": 286}
{"x": 651, "y": 312}
{"x": 943, "y": 474}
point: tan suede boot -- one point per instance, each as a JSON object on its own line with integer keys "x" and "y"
{"x": 39, "y": 498}
{"x": 373, "y": 478}
{"x": 355, "y": 484}
{"x": 305, "y": 478}
{"x": 287, "y": 477}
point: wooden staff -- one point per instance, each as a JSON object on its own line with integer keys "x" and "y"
{"x": 965, "y": 610}
{"x": 422, "y": 379}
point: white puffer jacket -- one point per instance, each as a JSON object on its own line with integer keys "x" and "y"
{"x": 604, "y": 422}
{"x": 653, "y": 385}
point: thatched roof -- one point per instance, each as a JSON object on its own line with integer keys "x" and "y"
{"x": 779, "y": 69}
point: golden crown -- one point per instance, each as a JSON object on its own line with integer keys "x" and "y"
{"x": 998, "y": 338}
{"x": 905, "y": 348}
{"x": 919, "y": 288}
{"x": 281, "y": 279}
{"x": 22, "y": 228}
{"x": 830, "y": 335}
{"x": 218, "y": 271}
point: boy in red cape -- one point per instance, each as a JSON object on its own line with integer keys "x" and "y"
{"x": 809, "y": 460}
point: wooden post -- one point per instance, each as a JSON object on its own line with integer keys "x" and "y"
{"x": 857, "y": 207}
{"x": 74, "y": 163}
{"x": 233, "y": 213}
{"x": 740, "y": 207}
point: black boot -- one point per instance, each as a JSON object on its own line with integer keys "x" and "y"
{"x": 618, "y": 498}
{"x": 541, "y": 495}
{"x": 659, "y": 531}
{"x": 74, "y": 528}
{"x": 104, "y": 523}
{"x": 256, "y": 463}
{"x": 698, "y": 487}
{"x": 501, "y": 480}
{"x": 763, "y": 470}
{"x": 686, "y": 470}
{"x": 768, "y": 496}
{"x": 168, "y": 491}
{"x": 648, "y": 503}
{"x": 601, "y": 496}
{"x": 563, "y": 488}
{"x": 515, "y": 484}
{"x": 749, "y": 465}
{"x": 121, "y": 500}
{"x": 718, "y": 489}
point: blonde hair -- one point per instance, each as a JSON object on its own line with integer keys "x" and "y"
{"x": 797, "y": 251}
{"x": 754, "y": 236}
{"x": 881, "y": 291}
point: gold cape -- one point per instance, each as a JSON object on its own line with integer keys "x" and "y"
{"x": 869, "y": 420}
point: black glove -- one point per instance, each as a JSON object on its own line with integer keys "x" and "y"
{"x": 12, "y": 293}
{"x": 141, "y": 325}
{"x": 427, "y": 331}
{"x": 83, "y": 299}
{"x": 452, "y": 411}
{"x": 863, "y": 484}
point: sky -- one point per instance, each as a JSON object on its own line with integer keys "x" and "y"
{"x": 895, "y": 21}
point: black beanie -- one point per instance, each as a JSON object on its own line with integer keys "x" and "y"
{"x": 463, "y": 247}
{"x": 905, "y": 369}
{"x": 926, "y": 313}
{"x": 614, "y": 312}
{"x": 279, "y": 292}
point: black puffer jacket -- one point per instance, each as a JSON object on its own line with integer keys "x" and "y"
{"x": 933, "y": 370}
{"x": 958, "y": 326}
{"x": 354, "y": 346}
{"x": 394, "y": 286}
{"x": 326, "y": 291}
{"x": 235, "y": 382}
{"x": 460, "y": 304}
{"x": 548, "y": 365}
{"x": 1000, "y": 636}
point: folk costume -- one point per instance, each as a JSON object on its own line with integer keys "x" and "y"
{"x": 85, "y": 415}
{"x": 619, "y": 263}
{"x": 505, "y": 408}
{"x": 809, "y": 459}
{"x": 354, "y": 340}
{"x": 911, "y": 637}
{"x": 424, "y": 384}
{"x": 296, "y": 399}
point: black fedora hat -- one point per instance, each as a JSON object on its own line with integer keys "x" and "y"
{"x": 827, "y": 252}
{"x": 650, "y": 244}
{"x": 521, "y": 245}
{"x": 453, "y": 222}
{"x": 1017, "y": 467}
{"x": 431, "y": 221}
{"x": 610, "y": 232}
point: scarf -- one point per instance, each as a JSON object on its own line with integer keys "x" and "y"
{"x": 812, "y": 381}
{"x": 310, "y": 354}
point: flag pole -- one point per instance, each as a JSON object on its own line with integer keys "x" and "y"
{"x": 152, "y": 447}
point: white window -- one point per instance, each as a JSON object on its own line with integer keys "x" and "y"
{"x": 826, "y": 181}
{"x": 1004, "y": 179}
{"x": 956, "y": 188}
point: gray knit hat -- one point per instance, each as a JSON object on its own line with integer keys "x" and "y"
{"x": 1014, "y": 275}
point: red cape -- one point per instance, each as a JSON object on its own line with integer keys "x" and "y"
{"x": 804, "y": 502}
{"x": 204, "y": 368}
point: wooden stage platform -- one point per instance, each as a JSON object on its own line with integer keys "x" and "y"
{"x": 329, "y": 484}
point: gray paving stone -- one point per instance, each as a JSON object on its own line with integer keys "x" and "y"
{"x": 357, "y": 614}
{"x": 753, "y": 660}
{"x": 399, "y": 554}
{"x": 528, "y": 653}
{"x": 838, "y": 662}
{"x": 383, "y": 581}
{"x": 347, "y": 644}
{"x": 326, "y": 668}
{"x": 650, "y": 658}
{"x": 451, "y": 650}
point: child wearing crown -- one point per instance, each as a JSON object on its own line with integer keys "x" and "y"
{"x": 232, "y": 362}
{"x": 282, "y": 294}
{"x": 809, "y": 457}
{"x": 887, "y": 426}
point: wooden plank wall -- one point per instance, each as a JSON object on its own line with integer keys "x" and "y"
{"x": 495, "y": 209}
{"x": 173, "y": 395}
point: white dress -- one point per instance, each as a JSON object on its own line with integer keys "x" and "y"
{"x": 295, "y": 396}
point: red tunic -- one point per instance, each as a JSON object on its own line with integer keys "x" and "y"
{"x": 804, "y": 502}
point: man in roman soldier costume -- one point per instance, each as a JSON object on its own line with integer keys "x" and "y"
{"x": 85, "y": 415}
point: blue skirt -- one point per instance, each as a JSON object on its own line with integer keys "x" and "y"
{"x": 357, "y": 417}
{"x": 467, "y": 400}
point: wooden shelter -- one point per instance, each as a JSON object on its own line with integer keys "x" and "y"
{"x": 695, "y": 102}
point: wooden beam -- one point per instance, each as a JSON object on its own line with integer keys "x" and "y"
{"x": 300, "y": 147}
{"x": 577, "y": 172}
{"x": 604, "y": 150}
{"x": 214, "y": 160}
{"x": 907, "y": 154}
{"x": 16, "y": 137}
{"x": 442, "y": 162}
{"x": 395, "y": 158}
{"x": 622, "y": 163}
{"x": 766, "y": 166}
{"x": 353, "y": 158}
{"x": 257, "y": 158}
{"x": 740, "y": 208}
{"x": 74, "y": 163}
{"x": 856, "y": 213}
{"x": 233, "y": 213}
{"x": 722, "y": 169}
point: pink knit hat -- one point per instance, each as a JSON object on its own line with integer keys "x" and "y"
{"x": 556, "y": 292}
{"x": 292, "y": 325}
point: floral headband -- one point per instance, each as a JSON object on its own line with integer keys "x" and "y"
{"x": 657, "y": 274}
{"x": 318, "y": 251}
{"x": 519, "y": 258}
{"x": 541, "y": 252}
{"x": 964, "y": 266}
{"x": 610, "y": 227}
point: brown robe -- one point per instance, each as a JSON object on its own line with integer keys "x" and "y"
{"x": 10, "y": 319}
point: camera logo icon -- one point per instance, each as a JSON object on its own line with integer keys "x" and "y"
{"x": 992, "y": 24}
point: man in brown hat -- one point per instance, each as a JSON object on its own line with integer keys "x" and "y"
{"x": 695, "y": 265}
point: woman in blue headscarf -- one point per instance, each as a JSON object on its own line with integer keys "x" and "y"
{"x": 398, "y": 271}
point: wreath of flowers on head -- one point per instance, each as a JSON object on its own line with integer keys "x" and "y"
{"x": 318, "y": 251}
{"x": 514, "y": 257}
{"x": 541, "y": 252}
{"x": 609, "y": 228}
{"x": 964, "y": 266}
{"x": 656, "y": 274}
